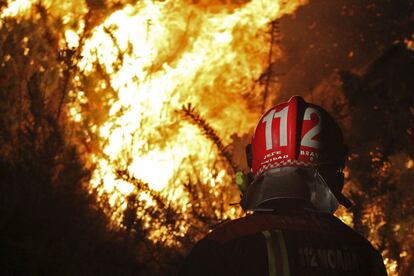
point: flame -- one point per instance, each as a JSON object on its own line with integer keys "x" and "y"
{"x": 409, "y": 43}
{"x": 391, "y": 265}
{"x": 68, "y": 11}
{"x": 16, "y": 7}
{"x": 161, "y": 55}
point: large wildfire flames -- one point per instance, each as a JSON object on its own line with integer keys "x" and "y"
{"x": 156, "y": 58}
{"x": 160, "y": 56}
{"x": 176, "y": 53}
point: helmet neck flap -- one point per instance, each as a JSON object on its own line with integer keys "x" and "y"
{"x": 289, "y": 187}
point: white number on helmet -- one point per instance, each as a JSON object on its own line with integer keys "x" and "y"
{"x": 268, "y": 119}
{"x": 308, "y": 139}
{"x": 282, "y": 114}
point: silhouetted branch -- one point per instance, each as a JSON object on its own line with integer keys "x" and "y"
{"x": 190, "y": 113}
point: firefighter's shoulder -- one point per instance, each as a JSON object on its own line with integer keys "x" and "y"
{"x": 259, "y": 222}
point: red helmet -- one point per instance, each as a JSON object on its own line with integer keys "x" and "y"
{"x": 297, "y": 134}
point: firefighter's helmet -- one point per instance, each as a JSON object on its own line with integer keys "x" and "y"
{"x": 294, "y": 143}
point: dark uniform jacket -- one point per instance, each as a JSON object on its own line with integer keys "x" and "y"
{"x": 293, "y": 243}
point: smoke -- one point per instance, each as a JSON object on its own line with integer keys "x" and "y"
{"x": 326, "y": 36}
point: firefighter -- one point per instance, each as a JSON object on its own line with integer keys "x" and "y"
{"x": 296, "y": 158}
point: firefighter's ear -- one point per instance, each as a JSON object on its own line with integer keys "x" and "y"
{"x": 249, "y": 155}
{"x": 243, "y": 202}
{"x": 244, "y": 180}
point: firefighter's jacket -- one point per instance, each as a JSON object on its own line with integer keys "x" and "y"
{"x": 293, "y": 243}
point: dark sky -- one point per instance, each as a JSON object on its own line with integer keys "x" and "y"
{"x": 329, "y": 35}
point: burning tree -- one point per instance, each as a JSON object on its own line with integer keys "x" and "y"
{"x": 48, "y": 223}
{"x": 382, "y": 107}
{"x": 127, "y": 97}
{"x": 376, "y": 109}
{"x": 132, "y": 116}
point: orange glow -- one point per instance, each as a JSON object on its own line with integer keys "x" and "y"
{"x": 409, "y": 43}
{"x": 175, "y": 53}
{"x": 160, "y": 56}
{"x": 409, "y": 164}
{"x": 16, "y": 7}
